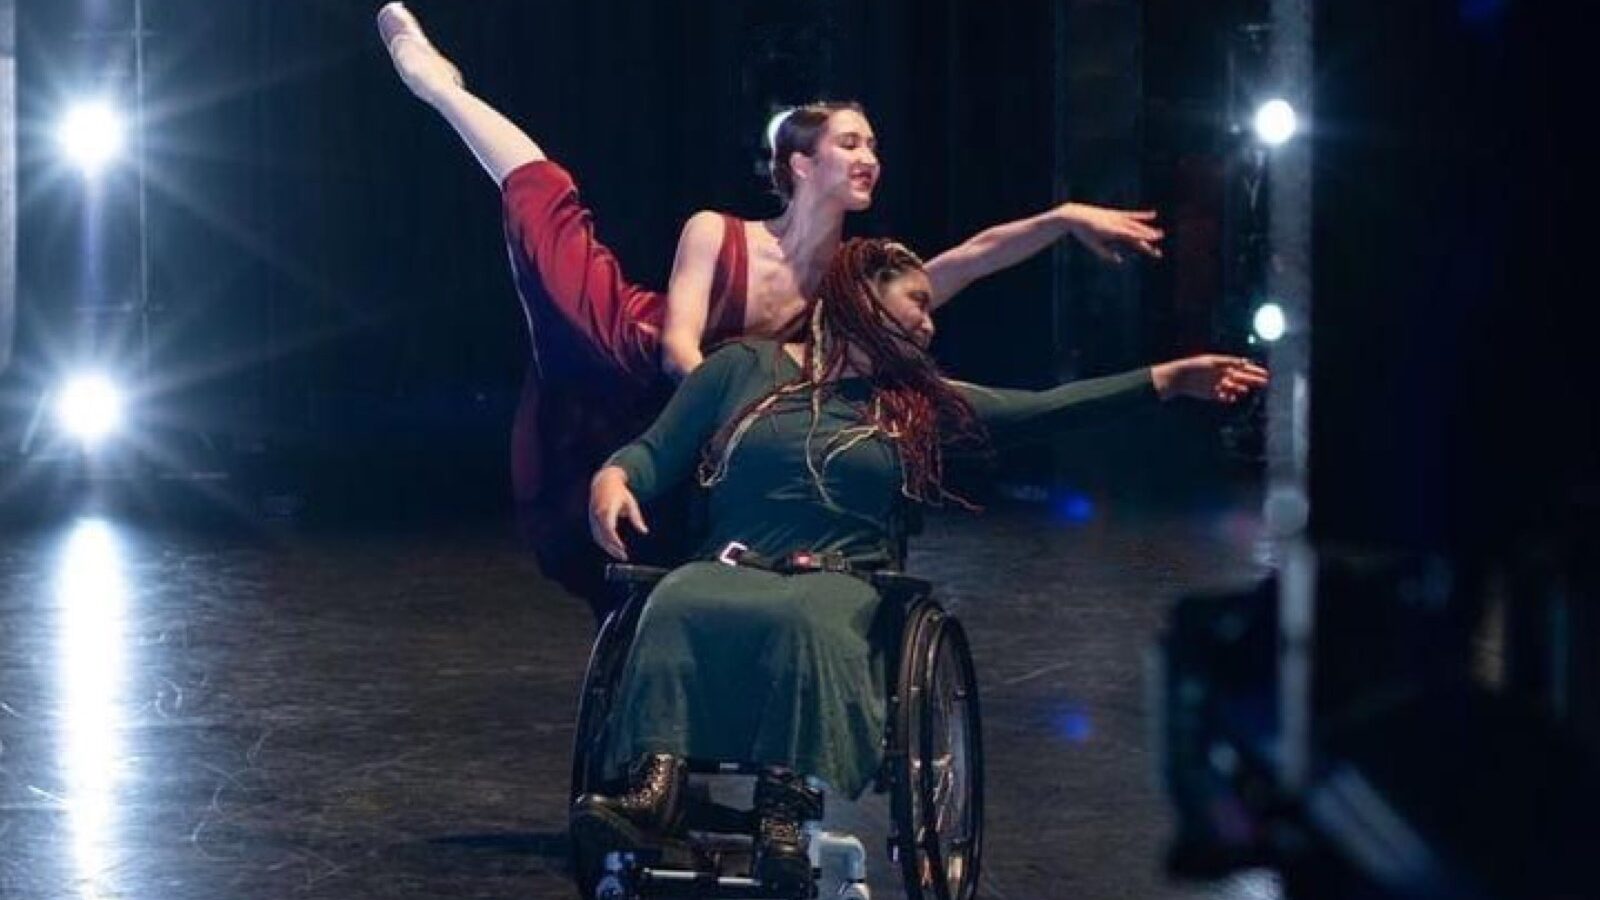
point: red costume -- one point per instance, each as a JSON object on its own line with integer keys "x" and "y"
{"x": 595, "y": 382}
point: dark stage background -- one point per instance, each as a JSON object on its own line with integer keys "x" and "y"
{"x": 333, "y": 330}
{"x": 332, "y": 299}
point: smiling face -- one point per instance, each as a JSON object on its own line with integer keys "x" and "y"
{"x": 906, "y": 299}
{"x": 844, "y": 166}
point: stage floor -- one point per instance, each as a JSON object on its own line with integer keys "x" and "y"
{"x": 333, "y": 715}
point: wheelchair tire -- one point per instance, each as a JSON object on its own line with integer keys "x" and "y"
{"x": 937, "y": 782}
{"x": 606, "y": 659}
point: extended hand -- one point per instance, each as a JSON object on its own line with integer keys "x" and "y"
{"x": 1223, "y": 379}
{"x": 609, "y": 501}
{"x": 1109, "y": 233}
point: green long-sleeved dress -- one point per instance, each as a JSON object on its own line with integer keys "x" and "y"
{"x": 743, "y": 664}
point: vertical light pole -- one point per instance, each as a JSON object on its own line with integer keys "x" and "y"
{"x": 8, "y": 180}
{"x": 1281, "y": 123}
{"x": 140, "y": 188}
{"x": 93, "y": 135}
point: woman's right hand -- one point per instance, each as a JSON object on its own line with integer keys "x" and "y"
{"x": 609, "y": 501}
{"x": 1220, "y": 379}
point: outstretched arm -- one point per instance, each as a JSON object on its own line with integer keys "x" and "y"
{"x": 1109, "y": 233}
{"x": 689, "y": 293}
{"x": 1014, "y": 415}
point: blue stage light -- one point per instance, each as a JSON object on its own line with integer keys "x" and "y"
{"x": 1270, "y": 323}
{"x": 89, "y": 407}
{"x": 91, "y": 135}
{"x": 1276, "y": 122}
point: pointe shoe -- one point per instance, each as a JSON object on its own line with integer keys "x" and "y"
{"x": 420, "y": 65}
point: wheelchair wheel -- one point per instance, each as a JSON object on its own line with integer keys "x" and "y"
{"x": 937, "y": 790}
{"x": 606, "y": 659}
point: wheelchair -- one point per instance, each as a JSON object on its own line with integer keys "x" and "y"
{"x": 932, "y": 766}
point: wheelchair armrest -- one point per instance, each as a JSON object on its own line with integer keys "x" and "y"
{"x": 632, "y": 576}
{"x": 899, "y": 586}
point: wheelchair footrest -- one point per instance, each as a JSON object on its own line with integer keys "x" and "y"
{"x": 630, "y": 876}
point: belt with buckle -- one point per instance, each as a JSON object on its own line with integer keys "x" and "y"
{"x": 737, "y": 554}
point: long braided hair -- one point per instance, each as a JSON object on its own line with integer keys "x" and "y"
{"x": 911, "y": 404}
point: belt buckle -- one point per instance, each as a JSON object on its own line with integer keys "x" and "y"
{"x": 817, "y": 561}
{"x": 731, "y": 553}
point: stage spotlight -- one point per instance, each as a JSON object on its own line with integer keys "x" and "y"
{"x": 91, "y": 135}
{"x": 1270, "y": 322}
{"x": 1275, "y": 122}
{"x": 89, "y": 407}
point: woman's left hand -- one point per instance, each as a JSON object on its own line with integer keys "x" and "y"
{"x": 1109, "y": 233}
{"x": 1224, "y": 379}
{"x": 610, "y": 502}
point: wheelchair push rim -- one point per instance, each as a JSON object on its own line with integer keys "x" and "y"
{"x": 594, "y": 700}
{"x": 938, "y": 786}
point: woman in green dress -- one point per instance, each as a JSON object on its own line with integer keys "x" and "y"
{"x": 816, "y": 448}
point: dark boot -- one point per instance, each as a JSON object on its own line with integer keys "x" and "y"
{"x": 641, "y": 819}
{"x": 783, "y": 805}
{"x": 597, "y": 831}
{"x": 654, "y": 801}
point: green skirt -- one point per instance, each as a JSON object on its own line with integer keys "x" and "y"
{"x": 739, "y": 664}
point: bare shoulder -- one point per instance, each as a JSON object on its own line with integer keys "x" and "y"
{"x": 700, "y": 241}
{"x": 707, "y": 223}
